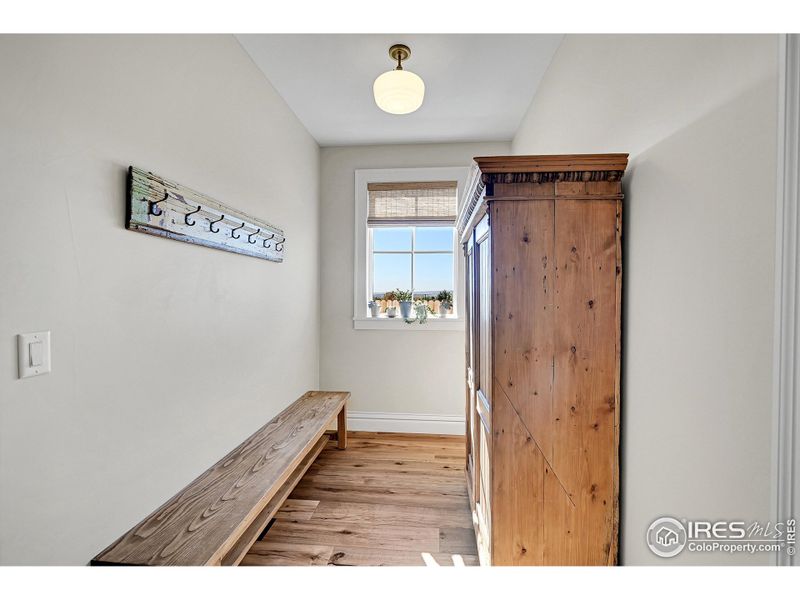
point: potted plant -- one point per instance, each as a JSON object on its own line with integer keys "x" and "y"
{"x": 445, "y": 299}
{"x": 391, "y": 311}
{"x": 374, "y": 308}
{"x": 404, "y": 297}
{"x": 421, "y": 309}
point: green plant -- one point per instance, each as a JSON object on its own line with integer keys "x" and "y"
{"x": 421, "y": 311}
{"x": 424, "y": 304}
{"x": 403, "y": 295}
{"x": 445, "y": 297}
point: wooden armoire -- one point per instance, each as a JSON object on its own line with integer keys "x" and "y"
{"x": 541, "y": 236}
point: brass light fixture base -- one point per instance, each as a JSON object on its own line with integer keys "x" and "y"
{"x": 399, "y": 52}
{"x": 398, "y": 92}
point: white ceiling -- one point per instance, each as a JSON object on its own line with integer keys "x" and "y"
{"x": 477, "y": 87}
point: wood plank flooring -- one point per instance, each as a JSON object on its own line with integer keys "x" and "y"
{"x": 389, "y": 499}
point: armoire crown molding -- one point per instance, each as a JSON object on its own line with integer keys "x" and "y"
{"x": 551, "y": 176}
{"x": 557, "y": 168}
{"x": 552, "y": 163}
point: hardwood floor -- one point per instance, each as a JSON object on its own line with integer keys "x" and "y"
{"x": 389, "y": 499}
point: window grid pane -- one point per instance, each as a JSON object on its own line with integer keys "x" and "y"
{"x": 391, "y": 271}
{"x": 434, "y": 239}
{"x": 391, "y": 239}
{"x": 390, "y": 268}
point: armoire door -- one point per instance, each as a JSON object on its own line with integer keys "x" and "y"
{"x": 523, "y": 295}
{"x": 483, "y": 386}
{"x": 472, "y": 439}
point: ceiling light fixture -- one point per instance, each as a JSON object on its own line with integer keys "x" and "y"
{"x": 399, "y": 92}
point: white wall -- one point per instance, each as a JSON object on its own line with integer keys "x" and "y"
{"x": 366, "y": 362}
{"x": 698, "y": 115}
{"x": 165, "y": 355}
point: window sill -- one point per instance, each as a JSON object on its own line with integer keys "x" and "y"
{"x": 432, "y": 324}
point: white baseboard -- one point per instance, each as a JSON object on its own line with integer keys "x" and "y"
{"x": 405, "y": 422}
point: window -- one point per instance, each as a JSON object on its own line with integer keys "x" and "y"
{"x": 405, "y": 224}
{"x": 416, "y": 258}
{"x": 412, "y": 237}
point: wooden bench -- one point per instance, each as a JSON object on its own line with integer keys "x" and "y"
{"x": 215, "y": 519}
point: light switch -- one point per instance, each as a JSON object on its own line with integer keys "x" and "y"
{"x": 34, "y": 353}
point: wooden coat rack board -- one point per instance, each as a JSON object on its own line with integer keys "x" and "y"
{"x": 161, "y": 207}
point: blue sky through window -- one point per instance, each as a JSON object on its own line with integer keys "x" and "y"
{"x": 391, "y": 271}
{"x": 391, "y": 238}
{"x": 434, "y": 238}
{"x": 432, "y": 272}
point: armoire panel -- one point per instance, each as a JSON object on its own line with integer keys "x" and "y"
{"x": 584, "y": 389}
{"x": 561, "y": 545}
{"x": 517, "y": 489}
{"x": 523, "y": 281}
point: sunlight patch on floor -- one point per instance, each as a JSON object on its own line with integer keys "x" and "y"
{"x": 458, "y": 560}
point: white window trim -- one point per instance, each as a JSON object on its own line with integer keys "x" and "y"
{"x": 361, "y": 270}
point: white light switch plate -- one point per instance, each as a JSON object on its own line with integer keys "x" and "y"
{"x": 33, "y": 351}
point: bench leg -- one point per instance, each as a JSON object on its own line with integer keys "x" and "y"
{"x": 341, "y": 431}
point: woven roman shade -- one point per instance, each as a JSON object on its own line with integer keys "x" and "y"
{"x": 413, "y": 201}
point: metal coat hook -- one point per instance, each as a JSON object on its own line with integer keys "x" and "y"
{"x": 164, "y": 208}
{"x": 280, "y": 244}
{"x": 154, "y": 209}
{"x": 186, "y": 216}
{"x": 211, "y": 224}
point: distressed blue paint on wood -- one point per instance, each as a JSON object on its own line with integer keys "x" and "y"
{"x": 215, "y": 225}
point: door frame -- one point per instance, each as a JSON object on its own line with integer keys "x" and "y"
{"x": 786, "y": 364}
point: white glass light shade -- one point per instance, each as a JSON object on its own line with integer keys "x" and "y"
{"x": 399, "y": 92}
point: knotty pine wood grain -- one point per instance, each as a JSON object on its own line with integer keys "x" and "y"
{"x": 518, "y": 512}
{"x": 421, "y": 508}
{"x": 579, "y": 437}
{"x": 585, "y": 371}
{"x": 201, "y": 524}
{"x": 523, "y": 285}
{"x": 560, "y": 542}
{"x": 614, "y": 551}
